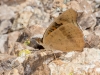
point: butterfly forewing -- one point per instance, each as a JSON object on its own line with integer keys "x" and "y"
{"x": 69, "y": 16}
{"x": 64, "y": 34}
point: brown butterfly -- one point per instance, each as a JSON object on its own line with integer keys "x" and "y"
{"x": 64, "y": 34}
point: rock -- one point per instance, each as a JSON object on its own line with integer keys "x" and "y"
{"x": 18, "y": 47}
{"x": 75, "y": 5}
{"x": 5, "y": 26}
{"x": 42, "y": 70}
{"x": 86, "y": 18}
{"x": 13, "y": 72}
{"x": 93, "y": 40}
{"x": 86, "y": 6}
{"x": 97, "y": 30}
{"x": 12, "y": 39}
{"x": 86, "y": 32}
{"x": 11, "y": 2}
{"x": 5, "y": 57}
{"x": 37, "y": 18}
{"x": 6, "y": 13}
{"x": 97, "y": 14}
{"x": 58, "y": 3}
{"x": 23, "y": 18}
{"x": 55, "y": 14}
{"x": 47, "y": 17}
{"x": 31, "y": 31}
{"x": 87, "y": 21}
{"x": 97, "y": 1}
{"x": 3, "y": 43}
{"x": 9, "y": 65}
{"x": 36, "y": 65}
{"x": 82, "y": 64}
{"x": 36, "y": 30}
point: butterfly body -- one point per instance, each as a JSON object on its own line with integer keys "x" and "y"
{"x": 64, "y": 34}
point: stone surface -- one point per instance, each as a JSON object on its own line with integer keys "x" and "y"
{"x": 3, "y": 43}
{"x": 6, "y": 13}
{"x": 5, "y": 26}
{"x": 82, "y": 64}
{"x": 12, "y": 39}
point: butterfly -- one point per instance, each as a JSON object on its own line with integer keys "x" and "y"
{"x": 64, "y": 33}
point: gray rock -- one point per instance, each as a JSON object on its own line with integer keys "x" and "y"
{"x": 3, "y": 43}
{"x": 97, "y": 1}
{"x": 12, "y": 38}
{"x": 6, "y": 12}
{"x": 4, "y": 27}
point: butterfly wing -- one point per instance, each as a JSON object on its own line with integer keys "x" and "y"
{"x": 69, "y": 16}
{"x": 64, "y": 34}
{"x": 66, "y": 38}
